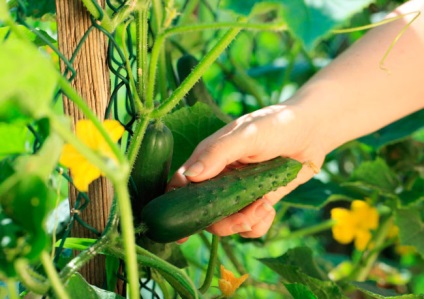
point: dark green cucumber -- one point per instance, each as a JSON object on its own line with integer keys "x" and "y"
{"x": 152, "y": 165}
{"x": 192, "y": 208}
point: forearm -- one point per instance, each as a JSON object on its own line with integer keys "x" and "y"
{"x": 357, "y": 96}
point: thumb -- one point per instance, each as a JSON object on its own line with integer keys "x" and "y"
{"x": 212, "y": 156}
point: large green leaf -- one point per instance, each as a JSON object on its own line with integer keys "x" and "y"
{"x": 78, "y": 287}
{"x": 14, "y": 139}
{"x": 411, "y": 228}
{"x": 299, "y": 291}
{"x": 310, "y": 20}
{"x": 373, "y": 176}
{"x": 27, "y": 81}
{"x": 395, "y": 131}
{"x": 373, "y": 291}
{"x": 189, "y": 126}
{"x": 315, "y": 194}
{"x": 298, "y": 266}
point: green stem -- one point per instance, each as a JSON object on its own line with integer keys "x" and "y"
{"x": 128, "y": 236}
{"x": 11, "y": 289}
{"x": 142, "y": 48}
{"x": 98, "y": 13}
{"x": 196, "y": 74}
{"x": 148, "y": 259}
{"x": 82, "y": 105}
{"x": 81, "y": 259}
{"x": 189, "y": 8}
{"x": 30, "y": 279}
{"x": 137, "y": 102}
{"x": 363, "y": 267}
{"x": 211, "y": 265}
{"x": 136, "y": 140}
{"x": 225, "y": 25}
{"x": 53, "y": 276}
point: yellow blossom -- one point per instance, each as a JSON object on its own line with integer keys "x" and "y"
{"x": 228, "y": 283}
{"x": 355, "y": 224}
{"x": 83, "y": 172}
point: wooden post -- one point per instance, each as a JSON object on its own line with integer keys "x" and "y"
{"x": 93, "y": 83}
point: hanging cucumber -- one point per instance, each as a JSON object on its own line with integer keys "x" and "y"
{"x": 190, "y": 209}
{"x": 199, "y": 92}
{"x": 151, "y": 168}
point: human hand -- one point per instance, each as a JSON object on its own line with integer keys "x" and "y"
{"x": 262, "y": 135}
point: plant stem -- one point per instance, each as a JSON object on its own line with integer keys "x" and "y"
{"x": 148, "y": 259}
{"x": 53, "y": 276}
{"x": 11, "y": 289}
{"x": 136, "y": 140}
{"x": 225, "y": 25}
{"x": 26, "y": 277}
{"x": 195, "y": 75}
{"x": 137, "y": 102}
{"x": 368, "y": 258}
{"x": 128, "y": 236}
{"x": 141, "y": 19}
{"x": 211, "y": 265}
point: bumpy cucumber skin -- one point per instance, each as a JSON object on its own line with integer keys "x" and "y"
{"x": 152, "y": 165}
{"x": 190, "y": 209}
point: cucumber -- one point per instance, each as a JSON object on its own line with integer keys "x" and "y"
{"x": 192, "y": 208}
{"x": 149, "y": 175}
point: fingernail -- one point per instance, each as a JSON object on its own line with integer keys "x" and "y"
{"x": 263, "y": 209}
{"x": 241, "y": 227}
{"x": 194, "y": 169}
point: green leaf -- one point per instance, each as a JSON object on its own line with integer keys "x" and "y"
{"x": 395, "y": 131}
{"x": 310, "y": 20}
{"x": 374, "y": 176}
{"x": 413, "y": 196}
{"x": 77, "y": 243}
{"x": 112, "y": 268}
{"x": 14, "y": 139}
{"x": 27, "y": 81}
{"x": 28, "y": 202}
{"x": 39, "y": 8}
{"x": 190, "y": 125}
{"x": 372, "y": 290}
{"x": 246, "y": 7}
{"x": 299, "y": 291}
{"x": 315, "y": 194}
{"x": 298, "y": 266}
{"x": 411, "y": 228}
{"x": 78, "y": 287}
{"x": 29, "y": 35}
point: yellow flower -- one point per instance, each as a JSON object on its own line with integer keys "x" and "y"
{"x": 228, "y": 283}
{"x": 354, "y": 224}
{"x": 83, "y": 172}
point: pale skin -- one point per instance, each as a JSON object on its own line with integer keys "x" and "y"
{"x": 351, "y": 97}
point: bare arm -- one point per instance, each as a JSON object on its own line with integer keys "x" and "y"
{"x": 350, "y": 98}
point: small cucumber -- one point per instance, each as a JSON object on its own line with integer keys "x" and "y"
{"x": 192, "y": 208}
{"x": 152, "y": 165}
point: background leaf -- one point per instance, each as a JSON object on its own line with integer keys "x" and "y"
{"x": 190, "y": 125}
{"x": 411, "y": 228}
{"x": 311, "y": 20}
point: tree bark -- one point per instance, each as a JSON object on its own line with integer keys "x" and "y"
{"x": 93, "y": 84}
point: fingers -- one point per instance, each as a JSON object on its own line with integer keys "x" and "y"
{"x": 253, "y": 221}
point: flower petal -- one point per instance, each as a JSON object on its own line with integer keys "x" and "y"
{"x": 344, "y": 228}
{"x": 361, "y": 239}
{"x": 366, "y": 215}
{"x": 114, "y": 128}
{"x": 83, "y": 174}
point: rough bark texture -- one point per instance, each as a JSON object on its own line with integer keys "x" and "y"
{"x": 92, "y": 83}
